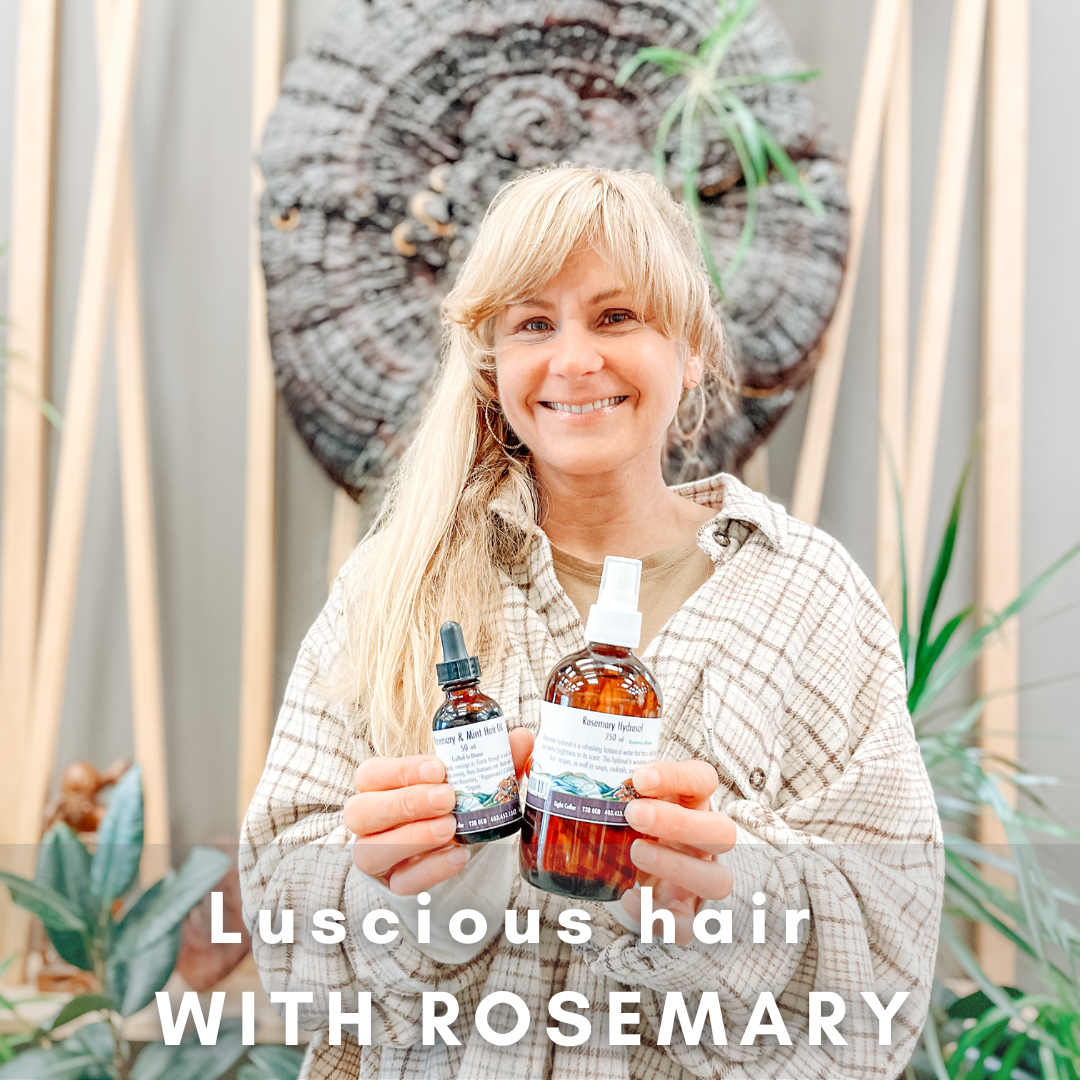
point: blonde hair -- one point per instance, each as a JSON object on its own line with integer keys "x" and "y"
{"x": 438, "y": 549}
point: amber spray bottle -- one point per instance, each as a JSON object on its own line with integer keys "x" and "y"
{"x": 471, "y": 740}
{"x": 599, "y": 722}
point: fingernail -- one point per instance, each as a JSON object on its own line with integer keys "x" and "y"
{"x": 458, "y": 857}
{"x": 639, "y": 815}
{"x": 646, "y": 778}
{"x": 642, "y": 855}
{"x": 432, "y": 771}
{"x": 442, "y": 797}
{"x": 443, "y": 828}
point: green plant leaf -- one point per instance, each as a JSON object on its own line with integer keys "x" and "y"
{"x": 662, "y": 133}
{"x": 80, "y": 1006}
{"x": 753, "y": 140}
{"x": 191, "y": 1060}
{"x": 96, "y": 1039}
{"x": 134, "y": 984}
{"x": 48, "y": 1065}
{"x": 729, "y": 19}
{"x": 49, "y": 906}
{"x": 733, "y": 81}
{"x": 1051, "y": 828}
{"x": 115, "y": 864}
{"x": 670, "y": 61}
{"x": 178, "y": 894}
{"x": 978, "y": 912}
{"x": 64, "y": 866}
{"x": 275, "y": 1062}
{"x": 746, "y": 235}
{"x": 786, "y": 168}
{"x": 932, "y": 1045}
{"x": 147, "y": 973}
{"x": 944, "y": 559}
{"x": 967, "y": 653}
{"x": 703, "y": 84}
{"x": 925, "y": 659}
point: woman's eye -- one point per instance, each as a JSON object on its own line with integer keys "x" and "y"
{"x": 536, "y": 325}
{"x": 617, "y": 317}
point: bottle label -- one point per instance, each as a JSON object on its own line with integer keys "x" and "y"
{"x": 583, "y": 761}
{"x": 481, "y": 768}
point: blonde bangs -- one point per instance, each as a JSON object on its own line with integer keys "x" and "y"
{"x": 536, "y": 222}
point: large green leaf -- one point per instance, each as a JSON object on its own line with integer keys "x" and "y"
{"x": 47, "y": 904}
{"x": 64, "y": 866}
{"x": 135, "y": 983}
{"x": 120, "y": 839}
{"x": 138, "y": 981}
{"x": 191, "y": 1060}
{"x": 177, "y": 895}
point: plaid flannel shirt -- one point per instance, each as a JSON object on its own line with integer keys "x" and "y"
{"x": 784, "y": 672}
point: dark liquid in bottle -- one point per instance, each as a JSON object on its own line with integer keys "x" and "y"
{"x": 464, "y": 705}
{"x": 587, "y": 858}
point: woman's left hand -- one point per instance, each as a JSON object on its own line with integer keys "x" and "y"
{"x": 678, "y": 863}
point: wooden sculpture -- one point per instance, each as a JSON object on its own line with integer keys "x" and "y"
{"x": 80, "y": 785}
{"x": 401, "y": 122}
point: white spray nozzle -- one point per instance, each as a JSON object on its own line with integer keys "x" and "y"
{"x": 614, "y": 619}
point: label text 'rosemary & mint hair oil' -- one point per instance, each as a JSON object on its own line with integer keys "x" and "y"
{"x": 471, "y": 740}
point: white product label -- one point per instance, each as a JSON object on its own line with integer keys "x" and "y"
{"x": 583, "y": 761}
{"x": 481, "y": 768}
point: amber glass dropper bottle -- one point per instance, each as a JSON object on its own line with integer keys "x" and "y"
{"x": 472, "y": 742}
{"x": 599, "y": 722}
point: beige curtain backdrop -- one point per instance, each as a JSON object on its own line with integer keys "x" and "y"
{"x": 191, "y": 123}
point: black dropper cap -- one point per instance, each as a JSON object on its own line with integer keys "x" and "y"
{"x": 458, "y": 665}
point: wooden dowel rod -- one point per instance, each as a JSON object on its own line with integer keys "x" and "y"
{"x": 140, "y": 549}
{"x": 1008, "y": 61}
{"x": 817, "y": 437}
{"x": 76, "y": 446}
{"x": 895, "y": 313}
{"x": 22, "y": 516}
{"x": 257, "y": 644}
{"x": 344, "y": 533}
{"x": 939, "y": 278}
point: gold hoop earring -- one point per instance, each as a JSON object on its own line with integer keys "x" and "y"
{"x": 686, "y": 436}
{"x": 491, "y": 430}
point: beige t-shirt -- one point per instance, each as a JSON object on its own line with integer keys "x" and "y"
{"x": 668, "y": 578}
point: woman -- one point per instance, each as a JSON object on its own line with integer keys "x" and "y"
{"x": 580, "y": 319}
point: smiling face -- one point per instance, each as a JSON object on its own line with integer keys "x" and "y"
{"x": 585, "y": 379}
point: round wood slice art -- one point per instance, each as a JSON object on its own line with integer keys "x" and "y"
{"x": 403, "y": 119}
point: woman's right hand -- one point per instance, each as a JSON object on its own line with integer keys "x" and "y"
{"x": 401, "y": 815}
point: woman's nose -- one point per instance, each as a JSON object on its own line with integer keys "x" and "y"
{"x": 575, "y": 351}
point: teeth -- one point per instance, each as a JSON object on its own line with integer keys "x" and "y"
{"x": 604, "y": 403}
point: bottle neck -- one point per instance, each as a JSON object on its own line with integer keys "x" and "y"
{"x": 616, "y": 651}
{"x": 453, "y": 688}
